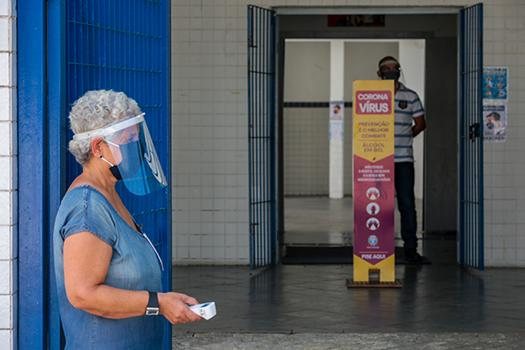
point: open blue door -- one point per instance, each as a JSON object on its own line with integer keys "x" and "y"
{"x": 125, "y": 46}
{"x": 261, "y": 136}
{"x": 64, "y": 49}
{"x": 471, "y": 217}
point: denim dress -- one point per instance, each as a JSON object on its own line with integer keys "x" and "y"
{"x": 134, "y": 266}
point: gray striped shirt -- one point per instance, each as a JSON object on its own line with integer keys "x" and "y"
{"x": 407, "y": 107}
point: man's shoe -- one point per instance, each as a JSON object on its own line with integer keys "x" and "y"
{"x": 417, "y": 259}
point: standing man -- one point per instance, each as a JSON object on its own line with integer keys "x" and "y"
{"x": 409, "y": 122}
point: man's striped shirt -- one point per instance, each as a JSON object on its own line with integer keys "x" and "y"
{"x": 407, "y": 107}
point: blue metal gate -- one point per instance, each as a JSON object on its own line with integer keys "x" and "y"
{"x": 66, "y": 48}
{"x": 471, "y": 218}
{"x": 261, "y": 136}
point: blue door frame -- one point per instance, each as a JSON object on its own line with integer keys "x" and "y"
{"x": 44, "y": 166}
{"x": 33, "y": 224}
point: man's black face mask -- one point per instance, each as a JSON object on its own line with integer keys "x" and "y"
{"x": 390, "y": 75}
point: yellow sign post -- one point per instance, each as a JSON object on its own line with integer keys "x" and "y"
{"x": 374, "y": 191}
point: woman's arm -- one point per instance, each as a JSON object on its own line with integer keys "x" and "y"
{"x": 86, "y": 264}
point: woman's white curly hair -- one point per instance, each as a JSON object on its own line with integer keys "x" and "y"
{"x": 94, "y": 110}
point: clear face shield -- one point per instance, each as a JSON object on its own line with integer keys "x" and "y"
{"x": 134, "y": 154}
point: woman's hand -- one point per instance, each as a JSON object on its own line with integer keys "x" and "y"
{"x": 174, "y": 306}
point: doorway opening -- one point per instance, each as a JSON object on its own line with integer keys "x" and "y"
{"x": 453, "y": 149}
{"x": 314, "y": 228}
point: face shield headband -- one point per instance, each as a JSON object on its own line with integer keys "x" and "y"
{"x": 133, "y": 152}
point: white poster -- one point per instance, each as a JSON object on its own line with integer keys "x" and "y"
{"x": 494, "y": 121}
{"x": 495, "y": 103}
{"x": 337, "y": 111}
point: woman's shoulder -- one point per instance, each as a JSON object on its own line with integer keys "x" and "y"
{"x": 84, "y": 194}
{"x": 84, "y": 208}
{"x": 86, "y": 200}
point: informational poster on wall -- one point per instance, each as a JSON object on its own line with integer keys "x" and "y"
{"x": 337, "y": 111}
{"x": 495, "y": 103}
{"x": 495, "y": 121}
{"x": 373, "y": 146}
{"x": 495, "y": 83}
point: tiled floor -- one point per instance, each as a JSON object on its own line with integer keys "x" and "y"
{"x": 313, "y": 299}
{"x": 349, "y": 341}
{"x": 440, "y": 306}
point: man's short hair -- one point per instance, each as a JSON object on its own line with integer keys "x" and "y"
{"x": 387, "y": 59}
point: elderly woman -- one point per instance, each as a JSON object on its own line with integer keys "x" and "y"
{"x": 107, "y": 271}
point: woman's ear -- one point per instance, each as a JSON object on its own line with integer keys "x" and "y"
{"x": 96, "y": 147}
{"x": 379, "y": 74}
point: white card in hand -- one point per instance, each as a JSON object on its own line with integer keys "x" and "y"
{"x": 205, "y": 310}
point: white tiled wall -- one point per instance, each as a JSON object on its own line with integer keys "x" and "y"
{"x": 210, "y": 204}
{"x": 210, "y": 144}
{"x": 8, "y": 178}
{"x": 505, "y": 163}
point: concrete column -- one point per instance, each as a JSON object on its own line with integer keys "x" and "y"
{"x": 337, "y": 55}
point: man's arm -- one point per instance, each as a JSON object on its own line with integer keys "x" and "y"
{"x": 419, "y": 125}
